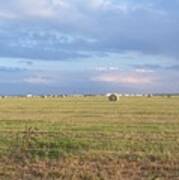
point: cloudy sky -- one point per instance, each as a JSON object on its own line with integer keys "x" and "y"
{"x": 89, "y": 46}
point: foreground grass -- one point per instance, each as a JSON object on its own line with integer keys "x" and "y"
{"x": 99, "y": 165}
{"x": 89, "y": 138}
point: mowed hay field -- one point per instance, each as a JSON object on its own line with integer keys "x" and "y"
{"x": 89, "y": 138}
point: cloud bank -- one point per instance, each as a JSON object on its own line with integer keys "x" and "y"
{"x": 102, "y": 44}
{"x": 58, "y": 29}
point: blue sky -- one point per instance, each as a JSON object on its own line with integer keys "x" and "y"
{"x": 89, "y": 46}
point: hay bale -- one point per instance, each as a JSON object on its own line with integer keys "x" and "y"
{"x": 113, "y": 97}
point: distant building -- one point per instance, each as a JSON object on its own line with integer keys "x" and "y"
{"x": 139, "y": 95}
{"x": 29, "y": 96}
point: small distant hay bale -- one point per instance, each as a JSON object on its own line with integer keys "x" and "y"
{"x": 113, "y": 97}
{"x": 169, "y": 95}
{"x": 149, "y": 95}
{"x": 44, "y": 96}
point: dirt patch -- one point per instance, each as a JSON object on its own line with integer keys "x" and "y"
{"x": 90, "y": 167}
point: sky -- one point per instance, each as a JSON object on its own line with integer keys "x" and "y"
{"x": 89, "y": 46}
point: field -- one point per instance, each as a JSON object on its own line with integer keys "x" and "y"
{"x": 89, "y": 138}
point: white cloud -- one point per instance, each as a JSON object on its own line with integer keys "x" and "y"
{"x": 132, "y": 78}
{"x": 7, "y": 15}
{"x": 60, "y": 3}
{"x": 140, "y": 70}
{"x": 71, "y": 8}
{"x": 96, "y": 4}
{"x": 106, "y": 68}
{"x": 38, "y": 79}
{"x": 88, "y": 25}
{"x": 34, "y": 8}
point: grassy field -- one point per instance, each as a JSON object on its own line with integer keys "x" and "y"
{"x": 89, "y": 138}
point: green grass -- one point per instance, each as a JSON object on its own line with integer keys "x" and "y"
{"x": 136, "y": 128}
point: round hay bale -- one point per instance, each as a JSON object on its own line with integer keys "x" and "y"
{"x": 113, "y": 97}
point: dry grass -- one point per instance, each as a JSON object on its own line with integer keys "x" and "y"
{"x": 101, "y": 166}
{"x": 89, "y": 138}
